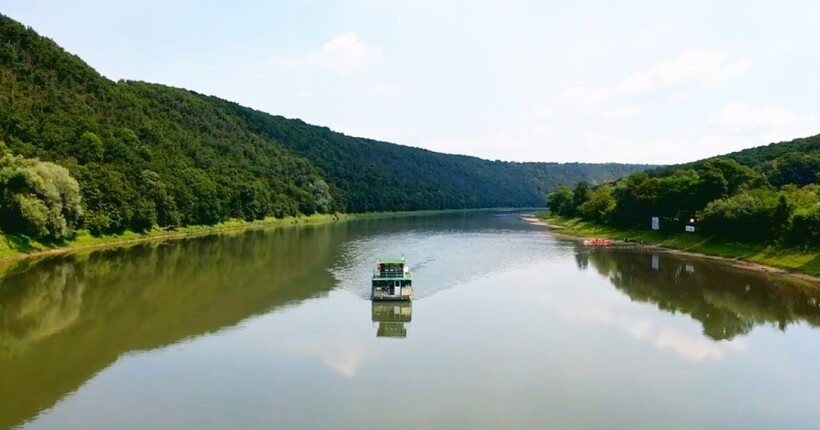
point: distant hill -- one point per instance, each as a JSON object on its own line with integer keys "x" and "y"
{"x": 406, "y": 178}
{"x": 147, "y": 154}
{"x": 756, "y": 156}
{"x": 795, "y": 162}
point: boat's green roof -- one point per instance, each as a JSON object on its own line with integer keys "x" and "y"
{"x": 391, "y": 260}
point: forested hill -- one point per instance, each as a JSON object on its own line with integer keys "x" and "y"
{"x": 146, "y": 155}
{"x": 375, "y": 175}
{"x": 769, "y": 195}
{"x": 762, "y": 154}
{"x": 795, "y": 162}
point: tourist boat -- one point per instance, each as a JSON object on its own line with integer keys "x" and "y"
{"x": 391, "y": 280}
{"x": 597, "y": 242}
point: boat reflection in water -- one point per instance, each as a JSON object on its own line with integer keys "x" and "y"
{"x": 393, "y": 318}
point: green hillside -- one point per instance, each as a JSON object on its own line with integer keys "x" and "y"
{"x": 768, "y": 195}
{"x": 408, "y": 178}
{"x": 146, "y": 155}
{"x": 758, "y": 156}
{"x": 794, "y": 162}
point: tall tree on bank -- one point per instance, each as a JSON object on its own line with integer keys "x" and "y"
{"x": 38, "y": 199}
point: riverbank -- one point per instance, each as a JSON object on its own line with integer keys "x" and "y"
{"x": 760, "y": 257}
{"x": 17, "y": 247}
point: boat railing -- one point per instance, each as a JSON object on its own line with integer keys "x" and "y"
{"x": 390, "y": 274}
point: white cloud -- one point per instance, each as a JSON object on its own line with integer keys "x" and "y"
{"x": 694, "y": 67}
{"x": 618, "y": 311}
{"x": 620, "y": 113}
{"x": 538, "y": 113}
{"x": 697, "y": 349}
{"x": 384, "y": 90}
{"x": 345, "y": 359}
{"x": 343, "y": 356}
{"x": 738, "y": 116}
{"x": 346, "y": 53}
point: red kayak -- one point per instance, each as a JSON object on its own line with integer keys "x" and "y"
{"x": 597, "y": 242}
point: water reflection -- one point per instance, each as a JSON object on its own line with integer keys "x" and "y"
{"x": 482, "y": 247}
{"x": 728, "y": 302}
{"x": 62, "y": 320}
{"x": 392, "y": 318}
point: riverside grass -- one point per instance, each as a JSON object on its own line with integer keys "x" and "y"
{"x": 15, "y": 247}
{"x": 18, "y": 247}
{"x": 805, "y": 261}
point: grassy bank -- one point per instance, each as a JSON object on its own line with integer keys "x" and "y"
{"x": 16, "y": 247}
{"x": 791, "y": 259}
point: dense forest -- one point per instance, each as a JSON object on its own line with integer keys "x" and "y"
{"x": 769, "y": 195}
{"x": 80, "y": 151}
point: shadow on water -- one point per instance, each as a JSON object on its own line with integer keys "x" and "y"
{"x": 727, "y": 301}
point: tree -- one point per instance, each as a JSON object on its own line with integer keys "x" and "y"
{"x": 781, "y": 219}
{"x": 560, "y": 201}
{"x": 581, "y": 194}
{"x": 745, "y": 217}
{"x": 600, "y": 206}
{"x": 805, "y": 227}
{"x": 736, "y": 175}
{"x": 795, "y": 168}
{"x": 166, "y": 213}
{"x": 89, "y": 148}
{"x": 37, "y": 198}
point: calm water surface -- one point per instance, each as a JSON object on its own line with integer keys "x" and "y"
{"x": 511, "y": 328}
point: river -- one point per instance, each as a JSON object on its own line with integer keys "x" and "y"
{"x": 511, "y": 327}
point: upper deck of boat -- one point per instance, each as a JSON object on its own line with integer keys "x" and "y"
{"x": 391, "y": 268}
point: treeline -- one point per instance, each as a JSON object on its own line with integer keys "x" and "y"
{"x": 775, "y": 201}
{"x": 147, "y": 155}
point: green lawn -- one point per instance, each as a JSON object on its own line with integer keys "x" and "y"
{"x": 798, "y": 260}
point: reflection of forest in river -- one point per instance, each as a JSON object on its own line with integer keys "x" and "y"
{"x": 726, "y": 301}
{"x": 64, "y": 319}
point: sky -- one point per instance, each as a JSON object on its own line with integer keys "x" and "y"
{"x": 592, "y": 81}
